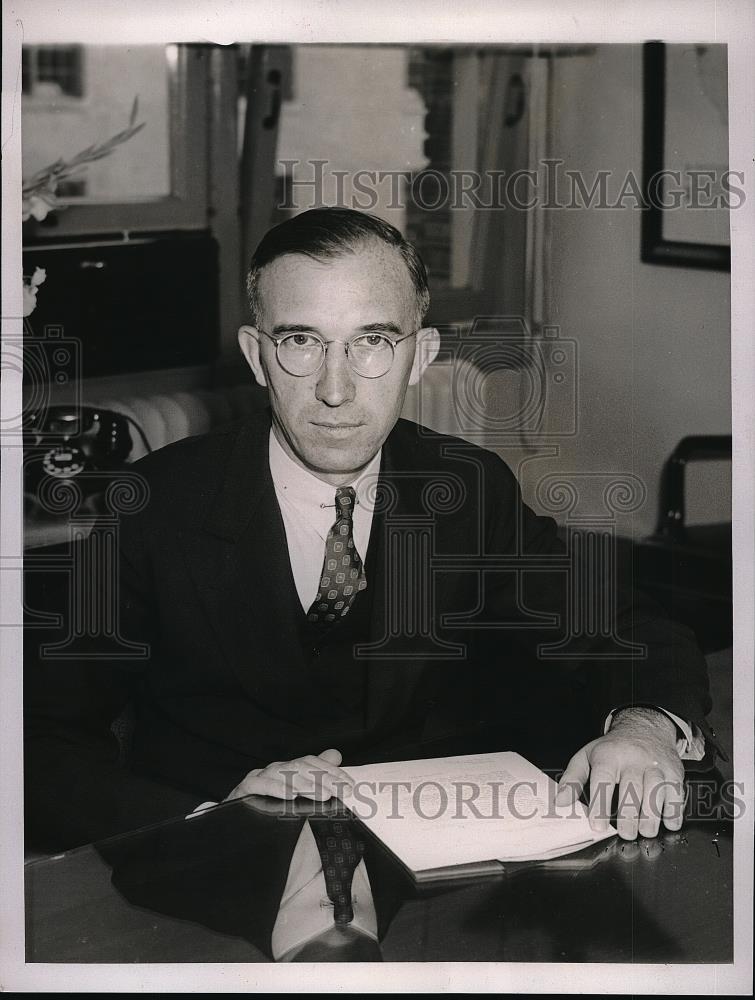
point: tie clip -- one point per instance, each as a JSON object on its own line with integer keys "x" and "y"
{"x": 324, "y": 506}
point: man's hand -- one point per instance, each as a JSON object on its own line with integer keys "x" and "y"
{"x": 314, "y": 777}
{"x": 639, "y": 755}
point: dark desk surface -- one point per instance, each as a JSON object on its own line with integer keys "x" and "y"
{"x": 206, "y": 890}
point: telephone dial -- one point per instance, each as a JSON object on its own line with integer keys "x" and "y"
{"x": 63, "y": 442}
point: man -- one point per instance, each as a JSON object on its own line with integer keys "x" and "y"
{"x": 274, "y": 575}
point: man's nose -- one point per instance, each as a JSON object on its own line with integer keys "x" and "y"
{"x": 335, "y": 384}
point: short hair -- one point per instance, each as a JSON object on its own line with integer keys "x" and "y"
{"x": 328, "y": 233}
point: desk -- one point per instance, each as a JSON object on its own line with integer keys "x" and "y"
{"x": 205, "y": 889}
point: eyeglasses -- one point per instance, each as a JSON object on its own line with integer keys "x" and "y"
{"x": 369, "y": 354}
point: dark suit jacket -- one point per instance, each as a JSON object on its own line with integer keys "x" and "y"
{"x": 465, "y": 586}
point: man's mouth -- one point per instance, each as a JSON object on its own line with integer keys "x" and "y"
{"x": 328, "y": 426}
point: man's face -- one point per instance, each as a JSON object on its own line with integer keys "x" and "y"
{"x": 335, "y": 421}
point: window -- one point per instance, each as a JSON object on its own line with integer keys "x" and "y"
{"x": 78, "y": 96}
{"x": 52, "y": 70}
{"x": 414, "y": 135}
{"x": 72, "y": 189}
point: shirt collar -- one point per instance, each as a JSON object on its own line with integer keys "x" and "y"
{"x": 295, "y": 483}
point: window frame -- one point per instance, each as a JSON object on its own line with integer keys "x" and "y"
{"x": 186, "y": 205}
{"x": 489, "y": 244}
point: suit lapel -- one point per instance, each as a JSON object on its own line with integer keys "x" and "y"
{"x": 392, "y": 676}
{"x": 240, "y": 566}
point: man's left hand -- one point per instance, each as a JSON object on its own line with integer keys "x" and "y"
{"x": 638, "y": 754}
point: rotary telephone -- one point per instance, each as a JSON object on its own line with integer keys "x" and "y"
{"x": 65, "y": 441}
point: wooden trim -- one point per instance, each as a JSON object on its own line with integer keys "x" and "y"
{"x": 224, "y": 192}
{"x": 267, "y": 81}
{"x": 654, "y": 249}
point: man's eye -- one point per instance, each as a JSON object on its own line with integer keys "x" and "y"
{"x": 302, "y": 340}
{"x": 375, "y": 340}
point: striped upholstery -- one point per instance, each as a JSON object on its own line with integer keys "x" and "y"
{"x": 168, "y": 417}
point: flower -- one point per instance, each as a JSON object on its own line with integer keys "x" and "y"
{"x": 38, "y": 196}
{"x": 31, "y": 286}
{"x": 39, "y": 203}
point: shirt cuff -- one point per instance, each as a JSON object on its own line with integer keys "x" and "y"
{"x": 690, "y": 745}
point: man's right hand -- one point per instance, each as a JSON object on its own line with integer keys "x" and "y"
{"x": 314, "y": 777}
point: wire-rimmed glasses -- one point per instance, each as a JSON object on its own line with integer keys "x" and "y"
{"x": 369, "y": 354}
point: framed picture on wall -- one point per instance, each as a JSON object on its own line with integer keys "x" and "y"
{"x": 687, "y": 185}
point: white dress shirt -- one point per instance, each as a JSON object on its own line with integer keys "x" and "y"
{"x": 307, "y": 505}
{"x": 305, "y": 911}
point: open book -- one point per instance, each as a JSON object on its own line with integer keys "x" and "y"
{"x": 458, "y": 816}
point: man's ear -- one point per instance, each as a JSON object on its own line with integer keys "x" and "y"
{"x": 249, "y": 342}
{"x": 425, "y": 352}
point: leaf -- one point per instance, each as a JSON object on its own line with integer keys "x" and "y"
{"x": 49, "y": 176}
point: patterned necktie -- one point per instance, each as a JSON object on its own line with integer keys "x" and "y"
{"x": 342, "y": 574}
{"x": 341, "y": 580}
{"x": 341, "y": 850}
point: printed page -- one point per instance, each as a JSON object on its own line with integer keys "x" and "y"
{"x": 459, "y": 810}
